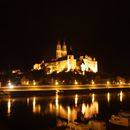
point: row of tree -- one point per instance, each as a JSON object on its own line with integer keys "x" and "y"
{"x": 39, "y": 77}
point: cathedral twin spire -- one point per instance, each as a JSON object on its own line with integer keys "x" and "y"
{"x": 61, "y": 51}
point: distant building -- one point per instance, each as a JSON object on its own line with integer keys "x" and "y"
{"x": 67, "y": 62}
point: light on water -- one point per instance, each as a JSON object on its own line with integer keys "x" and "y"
{"x": 76, "y": 100}
{"x": 34, "y": 104}
{"x": 76, "y": 107}
{"x": 93, "y": 97}
{"x": 121, "y": 96}
{"x": 9, "y": 107}
{"x": 108, "y": 96}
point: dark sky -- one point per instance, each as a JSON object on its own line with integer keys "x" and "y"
{"x": 29, "y": 31}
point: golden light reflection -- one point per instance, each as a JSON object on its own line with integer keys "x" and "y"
{"x": 9, "y": 107}
{"x": 76, "y": 100}
{"x": 93, "y": 97}
{"x": 27, "y": 101}
{"x": 57, "y": 103}
{"x": 56, "y": 100}
{"x": 51, "y": 107}
{"x": 108, "y": 96}
{"x": 83, "y": 108}
{"x": 34, "y": 104}
{"x": 121, "y": 96}
{"x": 36, "y": 108}
{"x": 69, "y": 112}
{"x": 90, "y": 110}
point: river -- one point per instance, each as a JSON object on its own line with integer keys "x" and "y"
{"x": 44, "y": 111}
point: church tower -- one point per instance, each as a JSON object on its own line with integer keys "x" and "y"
{"x": 64, "y": 49}
{"x": 58, "y": 50}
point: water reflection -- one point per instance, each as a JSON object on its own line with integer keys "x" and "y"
{"x": 108, "y": 97}
{"x": 34, "y": 104}
{"x": 53, "y": 107}
{"x": 57, "y": 103}
{"x": 76, "y": 100}
{"x": 36, "y": 108}
{"x": 121, "y": 96}
{"x": 66, "y": 107}
{"x": 93, "y": 97}
{"x": 90, "y": 110}
{"x": 27, "y": 101}
{"x": 70, "y": 112}
{"x": 9, "y": 107}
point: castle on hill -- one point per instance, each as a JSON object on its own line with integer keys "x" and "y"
{"x": 65, "y": 61}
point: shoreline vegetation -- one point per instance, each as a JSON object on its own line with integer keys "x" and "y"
{"x": 34, "y": 78}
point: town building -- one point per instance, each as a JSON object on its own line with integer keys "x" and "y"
{"x": 65, "y": 61}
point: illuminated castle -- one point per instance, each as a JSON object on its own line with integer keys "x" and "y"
{"x": 67, "y": 62}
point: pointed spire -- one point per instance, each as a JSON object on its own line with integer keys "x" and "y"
{"x": 58, "y": 45}
{"x": 58, "y": 42}
{"x": 64, "y": 47}
{"x": 70, "y": 50}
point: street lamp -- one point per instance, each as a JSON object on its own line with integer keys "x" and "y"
{"x": 92, "y": 82}
{"x": 75, "y": 82}
{"x": 10, "y": 84}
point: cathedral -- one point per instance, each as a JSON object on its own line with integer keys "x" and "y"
{"x": 65, "y": 61}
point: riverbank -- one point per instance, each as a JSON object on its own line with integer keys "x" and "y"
{"x": 61, "y": 89}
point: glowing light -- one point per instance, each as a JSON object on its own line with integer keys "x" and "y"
{"x": 51, "y": 108}
{"x": 9, "y": 107}
{"x": 121, "y": 96}
{"x": 10, "y": 85}
{"x": 108, "y": 82}
{"x": 75, "y": 82}
{"x": 108, "y": 96}
{"x": 83, "y": 67}
{"x": 76, "y": 100}
{"x": 69, "y": 113}
{"x": 34, "y": 82}
{"x": 34, "y": 104}
{"x": 69, "y": 66}
{"x": 27, "y": 83}
{"x": 57, "y": 103}
{"x": 93, "y": 97}
{"x": 83, "y": 108}
{"x": 56, "y": 82}
{"x": 27, "y": 101}
{"x": 90, "y": 110}
{"x": 38, "y": 108}
{"x": 92, "y": 82}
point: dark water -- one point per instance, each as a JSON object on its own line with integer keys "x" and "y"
{"x": 44, "y": 112}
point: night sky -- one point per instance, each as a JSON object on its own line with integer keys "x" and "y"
{"x": 29, "y": 31}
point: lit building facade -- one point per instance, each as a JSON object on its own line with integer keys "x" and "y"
{"x": 67, "y": 62}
